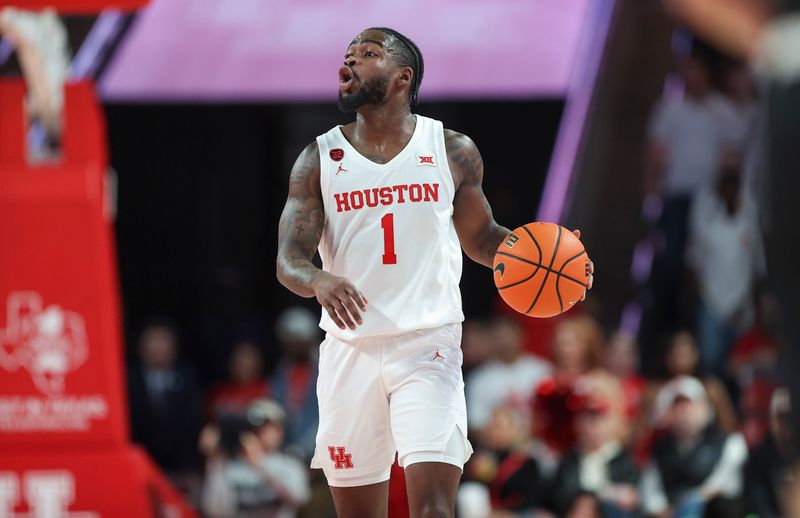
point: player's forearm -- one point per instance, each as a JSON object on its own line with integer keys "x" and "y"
{"x": 487, "y": 245}
{"x": 298, "y": 274}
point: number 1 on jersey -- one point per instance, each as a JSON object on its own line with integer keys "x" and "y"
{"x": 387, "y": 224}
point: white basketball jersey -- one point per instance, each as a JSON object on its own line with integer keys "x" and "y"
{"x": 389, "y": 230}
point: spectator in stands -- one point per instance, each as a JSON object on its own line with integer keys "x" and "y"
{"x": 685, "y": 139}
{"x": 726, "y": 256}
{"x": 681, "y": 359}
{"x": 769, "y": 463}
{"x": 754, "y": 366}
{"x": 294, "y": 382}
{"x": 247, "y": 475}
{"x": 577, "y": 362}
{"x": 696, "y": 468}
{"x": 246, "y": 381}
{"x": 740, "y": 94}
{"x": 508, "y": 380}
{"x": 600, "y": 465}
{"x": 503, "y": 474}
{"x": 755, "y": 353}
{"x": 621, "y": 361}
{"x": 164, "y": 400}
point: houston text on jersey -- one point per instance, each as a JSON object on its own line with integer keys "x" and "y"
{"x": 414, "y": 193}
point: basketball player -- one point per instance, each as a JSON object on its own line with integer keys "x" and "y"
{"x": 390, "y": 200}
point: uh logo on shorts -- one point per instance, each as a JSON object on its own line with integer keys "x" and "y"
{"x": 341, "y": 459}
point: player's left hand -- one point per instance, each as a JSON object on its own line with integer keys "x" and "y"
{"x": 589, "y": 268}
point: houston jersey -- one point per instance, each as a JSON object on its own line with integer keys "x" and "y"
{"x": 389, "y": 230}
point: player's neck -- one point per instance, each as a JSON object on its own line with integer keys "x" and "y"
{"x": 384, "y": 123}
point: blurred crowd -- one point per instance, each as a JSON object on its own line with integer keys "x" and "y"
{"x": 561, "y": 418}
{"x": 574, "y": 432}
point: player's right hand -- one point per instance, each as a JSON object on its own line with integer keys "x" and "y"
{"x": 341, "y": 299}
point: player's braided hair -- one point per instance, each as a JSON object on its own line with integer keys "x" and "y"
{"x": 409, "y": 56}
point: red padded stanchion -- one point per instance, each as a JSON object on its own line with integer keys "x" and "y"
{"x": 63, "y": 411}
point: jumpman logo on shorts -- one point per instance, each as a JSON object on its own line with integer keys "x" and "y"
{"x": 436, "y": 355}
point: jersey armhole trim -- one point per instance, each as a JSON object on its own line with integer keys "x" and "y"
{"x": 324, "y": 174}
{"x": 451, "y": 185}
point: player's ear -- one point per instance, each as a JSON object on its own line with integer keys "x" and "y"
{"x": 405, "y": 77}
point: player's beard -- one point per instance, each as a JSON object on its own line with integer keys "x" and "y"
{"x": 372, "y": 91}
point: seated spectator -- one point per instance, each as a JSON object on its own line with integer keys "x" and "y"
{"x": 164, "y": 400}
{"x": 756, "y": 352}
{"x": 681, "y": 359}
{"x": 599, "y": 466}
{"x": 696, "y": 468}
{"x": 503, "y": 473}
{"x": 726, "y": 256}
{"x": 245, "y": 384}
{"x": 577, "y": 349}
{"x": 621, "y": 361}
{"x": 247, "y": 475}
{"x": 769, "y": 463}
{"x": 508, "y": 380}
{"x": 755, "y": 407}
{"x": 294, "y": 382}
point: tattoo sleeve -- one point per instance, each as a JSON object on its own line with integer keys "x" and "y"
{"x": 479, "y": 234}
{"x": 300, "y": 227}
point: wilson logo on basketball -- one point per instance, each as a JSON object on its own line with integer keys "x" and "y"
{"x": 336, "y": 154}
{"x": 511, "y": 240}
{"x": 341, "y": 459}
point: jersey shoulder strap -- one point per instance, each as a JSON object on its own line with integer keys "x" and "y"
{"x": 330, "y": 154}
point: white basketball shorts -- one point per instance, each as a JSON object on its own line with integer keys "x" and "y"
{"x": 379, "y": 396}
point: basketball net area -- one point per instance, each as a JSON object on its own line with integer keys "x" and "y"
{"x": 64, "y": 444}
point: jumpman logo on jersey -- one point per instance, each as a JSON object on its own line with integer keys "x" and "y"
{"x": 436, "y": 355}
{"x": 341, "y": 170}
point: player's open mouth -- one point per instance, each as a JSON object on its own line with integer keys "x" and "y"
{"x": 345, "y": 78}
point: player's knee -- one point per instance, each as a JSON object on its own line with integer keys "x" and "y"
{"x": 434, "y": 508}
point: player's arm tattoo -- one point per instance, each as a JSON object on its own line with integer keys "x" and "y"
{"x": 477, "y": 230}
{"x": 301, "y": 223}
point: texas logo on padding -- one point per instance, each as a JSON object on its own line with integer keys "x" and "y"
{"x": 48, "y": 342}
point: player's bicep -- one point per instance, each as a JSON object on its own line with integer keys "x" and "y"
{"x": 303, "y": 216}
{"x": 472, "y": 215}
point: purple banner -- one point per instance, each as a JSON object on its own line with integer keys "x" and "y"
{"x": 291, "y": 50}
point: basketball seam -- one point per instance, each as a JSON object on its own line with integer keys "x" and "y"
{"x": 558, "y": 277}
{"x": 538, "y": 266}
{"x": 546, "y": 275}
{"x": 526, "y": 279}
{"x": 543, "y": 267}
{"x": 535, "y": 242}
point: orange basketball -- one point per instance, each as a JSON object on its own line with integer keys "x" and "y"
{"x": 541, "y": 269}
